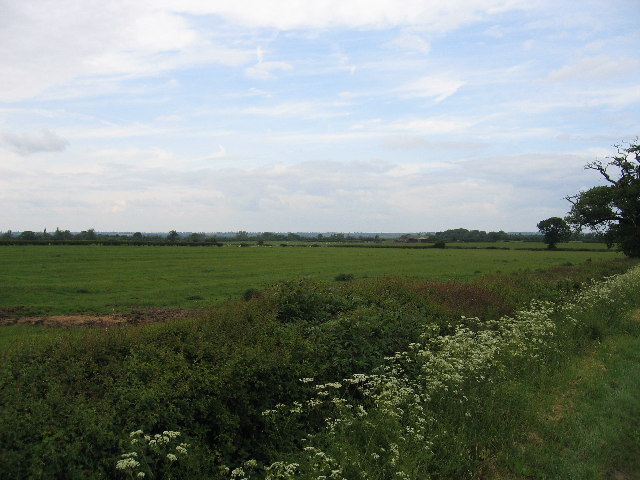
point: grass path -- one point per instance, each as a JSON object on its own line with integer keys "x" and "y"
{"x": 587, "y": 420}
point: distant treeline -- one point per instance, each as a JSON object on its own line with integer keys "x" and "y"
{"x": 90, "y": 236}
{"x": 464, "y": 235}
{"x": 177, "y": 238}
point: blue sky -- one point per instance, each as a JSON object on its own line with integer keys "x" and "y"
{"x": 351, "y": 116}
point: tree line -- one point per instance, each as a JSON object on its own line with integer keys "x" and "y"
{"x": 263, "y": 238}
{"x": 174, "y": 237}
{"x": 91, "y": 236}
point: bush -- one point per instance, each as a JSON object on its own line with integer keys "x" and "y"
{"x": 344, "y": 277}
{"x": 250, "y": 294}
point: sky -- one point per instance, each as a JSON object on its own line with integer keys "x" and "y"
{"x": 297, "y": 116}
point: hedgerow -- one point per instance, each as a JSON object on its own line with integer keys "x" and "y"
{"x": 445, "y": 403}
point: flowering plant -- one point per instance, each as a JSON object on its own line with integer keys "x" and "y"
{"x": 152, "y": 456}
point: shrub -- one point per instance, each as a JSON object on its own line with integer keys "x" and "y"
{"x": 344, "y": 277}
{"x": 250, "y": 294}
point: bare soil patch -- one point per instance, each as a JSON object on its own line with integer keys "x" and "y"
{"x": 12, "y": 316}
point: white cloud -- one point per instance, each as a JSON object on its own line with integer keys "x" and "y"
{"x": 46, "y": 43}
{"x": 412, "y": 142}
{"x": 614, "y": 97}
{"x": 105, "y": 159}
{"x": 113, "y": 130}
{"x": 489, "y": 193}
{"x": 495, "y": 31}
{"x": 221, "y": 153}
{"x": 595, "y": 68}
{"x": 27, "y": 143}
{"x": 302, "y": 109}
{"x": 264, "y": 70}
{"x": 439, "y": 86}
{"x": 431, "y": 126}
{"x": 410, "y": 41}
{"x": 170, "y": 118}
{"x": 298, "y": 14}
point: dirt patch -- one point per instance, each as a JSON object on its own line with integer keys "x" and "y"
{"x": 136, "y": 317}
{"x": 623, "y": 476}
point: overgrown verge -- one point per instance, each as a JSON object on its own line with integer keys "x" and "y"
{"x": 67, "y": 405}
{"x": 587, "y": 420}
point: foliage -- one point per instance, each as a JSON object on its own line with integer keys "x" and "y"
{"x": 464, "y": 235}
{"x": 173, "y": 236}
{"x": 344, "y": 277}
{"x": 614, "y": 208}
{"x": 555, "y": 230}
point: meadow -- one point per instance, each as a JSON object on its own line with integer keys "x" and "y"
{"x": 64, "y": 279}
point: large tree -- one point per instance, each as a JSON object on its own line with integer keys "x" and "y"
{"x": 555, "y": 230}
{"x": 613, "y": 209}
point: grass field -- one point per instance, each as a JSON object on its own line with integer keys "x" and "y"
{"x": 93, "y": 278}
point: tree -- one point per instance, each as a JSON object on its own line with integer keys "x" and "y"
{"x": 195, "y": 237}
{"x": 555, "y": 230}
{"x": 62, "y": 235}
{"x": 173, "y": 236}
{"x": 27, "y": 235}
{"x": 88, "y": 235}
{"x": 613, "y": 209}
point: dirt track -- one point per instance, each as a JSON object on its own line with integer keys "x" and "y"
{"x": 15, "y": 316}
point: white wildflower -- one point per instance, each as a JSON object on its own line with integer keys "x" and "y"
{"x": 237, "y": 473}
{"x": 127, "y": 464}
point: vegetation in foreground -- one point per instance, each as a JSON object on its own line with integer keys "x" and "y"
{"x": 377, "y": 378}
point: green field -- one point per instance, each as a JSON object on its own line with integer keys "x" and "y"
{"x": 93, "y": 278}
